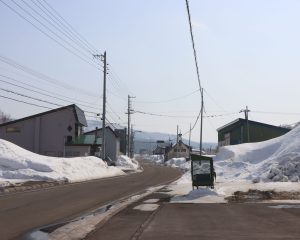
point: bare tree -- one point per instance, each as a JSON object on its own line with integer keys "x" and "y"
{"x": 4, "y": 117}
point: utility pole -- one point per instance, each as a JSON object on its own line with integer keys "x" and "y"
{"x": 190, "y": 141}
{"x": 246, "y": 111}
{"x": 201, "y": 125}
{"x": 129, "y": 111}
{"x": 190, "y": 135}
{"x": 177, "y": 135}
{"x": 103, "y": 59}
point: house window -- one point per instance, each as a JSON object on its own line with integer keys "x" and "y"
{"x": 183, "y": 150}
{"x": 13, "y": 129}
{"x": 69, "y": 139}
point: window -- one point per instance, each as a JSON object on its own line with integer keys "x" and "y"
{"x": 183, "y": 150}
{"x": 13, "y": 129}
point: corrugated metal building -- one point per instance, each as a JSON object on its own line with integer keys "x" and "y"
{"x": 236, "y": 132}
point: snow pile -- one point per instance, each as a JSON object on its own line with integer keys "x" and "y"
{"x": 277, "y": 159}
{"x": 20, "y": 165}
{"x": 179, "y": 162}
{"x": 159, "y": 159}
{"x": 126, "y": 163}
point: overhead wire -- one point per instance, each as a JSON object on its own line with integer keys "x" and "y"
{"x": 171, "y": 99}
{"x": 42, "y": 31}
{"x": 197, "y": 69}
{"x": 71, "y": 28}
{"x": 66, "y": 31}
{"x": 20, "y": 101}
{"x": 43, "y": 77}
{"x": 41, "y": 93}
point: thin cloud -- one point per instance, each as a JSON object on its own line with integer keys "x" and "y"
{"x": 199, "y": 25}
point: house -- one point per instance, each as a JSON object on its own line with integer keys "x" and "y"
{"x": 122, "y": 135}
{"x": 160, "y": 148}
{"x": 112, "y": 141}
{"x": 46, "y": 133}
{"x": 179, "y": 150}
{"x": 236, "y": 132}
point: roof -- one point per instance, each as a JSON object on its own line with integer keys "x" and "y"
{"x": 86, "y": 140}
{"x": 187, "y": 146}
{"x": 241, "y": 120}
{"x": 107, "y": 127}
{"x": 79, "y": 115}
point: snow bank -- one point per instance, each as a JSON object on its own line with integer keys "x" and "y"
{"x": 159, "y": 159}
{"x": 20, "y": 165}
{"x": 277, "y": 159}
{"x": 179, "y": 162}
{"x": 126, "y": 163}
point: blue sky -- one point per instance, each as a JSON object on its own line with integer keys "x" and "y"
{"x": 248, "y": 53}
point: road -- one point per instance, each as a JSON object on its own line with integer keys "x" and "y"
{"x": 233, "y": 221}
{"x": 21, "y": 212}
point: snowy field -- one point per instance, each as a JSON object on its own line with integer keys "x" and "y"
{"x": 272, "y": 165}
{"x": 18, "y": 165}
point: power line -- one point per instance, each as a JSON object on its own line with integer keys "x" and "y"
{"x": 171, "y": 99}
{"x": 72, "y": 29}
{"x": 33, "y": 98}
{"x": 57, "y": 28}
{"x": 42, "y": 31}
{"x": 193, "y": 43}
{"x": 42, "y": 76}
{"x": 198, "y": 77}
{"x": 44, "y": 94}
{"x": 57, "y": 21}
{"x": 32, "y": 104}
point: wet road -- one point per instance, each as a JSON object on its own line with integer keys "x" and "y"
{"x": 21, "y": 212}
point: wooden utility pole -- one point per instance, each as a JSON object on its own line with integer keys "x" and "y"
{"x": 103, "y": 59}
{"x": 201, "y": 124}
{"x": 246, "y": 111}
{"x": 129, "y": 111}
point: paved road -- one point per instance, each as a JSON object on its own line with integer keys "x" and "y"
{"x": 22, "y": 212}
{"x": 202, "y": 221}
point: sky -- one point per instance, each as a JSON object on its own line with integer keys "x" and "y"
{"x": 248, "y": 54}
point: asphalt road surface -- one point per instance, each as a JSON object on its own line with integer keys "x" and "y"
{"x": 246, "y": 221}
{"x": 22, "y": 212}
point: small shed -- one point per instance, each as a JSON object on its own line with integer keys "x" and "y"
{"x": 236, "y": 132}
{"x": 84, "y": 145}
{"x": 112, "y": 141}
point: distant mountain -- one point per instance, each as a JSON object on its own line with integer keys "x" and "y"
{"x": 147, "y": 140}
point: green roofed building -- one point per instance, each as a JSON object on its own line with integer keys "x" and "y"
{"x": 84, "y": 145}
{"x": 236, "y": 132}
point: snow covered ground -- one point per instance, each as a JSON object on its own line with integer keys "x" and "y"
{"x": 19, "y": 165}
{"x": 272, "y": 165}
{"x": 125, "y": 163}
{"x": 159, "y": 159}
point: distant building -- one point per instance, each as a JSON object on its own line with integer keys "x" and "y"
{"x": 46, "y": 133}
{"x": 179, "y": 150}
{"x": 160, "y": 148}
{"x": 112, "y": 141}
{"x": 236, "y": 132}
{"x": 84, "y": 145}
